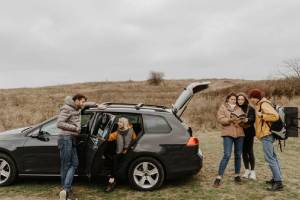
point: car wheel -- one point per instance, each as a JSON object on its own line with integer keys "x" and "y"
{"x": 8, "y": 170}
{"x": 146, "y": 174}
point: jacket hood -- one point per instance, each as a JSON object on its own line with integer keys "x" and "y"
{"x": 69, "y": 101}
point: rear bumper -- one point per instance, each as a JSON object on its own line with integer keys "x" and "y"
{"x": 187, "y": 167}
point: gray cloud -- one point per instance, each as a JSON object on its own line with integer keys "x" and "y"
{"x": 60, "y": 41}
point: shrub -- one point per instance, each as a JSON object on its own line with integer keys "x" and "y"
{"x": 156, "y": 78}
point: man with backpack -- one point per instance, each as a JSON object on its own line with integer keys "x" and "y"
{"x": 265, "y": 116}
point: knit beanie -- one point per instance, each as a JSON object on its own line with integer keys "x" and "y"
{"x": 256, "y": 93}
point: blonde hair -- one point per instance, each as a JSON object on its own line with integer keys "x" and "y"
{"x": 125, "y": 122}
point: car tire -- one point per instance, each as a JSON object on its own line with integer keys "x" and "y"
{"x": 146, "y": 174}
{"x": 8, "y": 172}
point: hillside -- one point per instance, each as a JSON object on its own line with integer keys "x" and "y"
{"x": 26, "y": 106}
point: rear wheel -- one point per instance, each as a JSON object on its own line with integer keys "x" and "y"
{"x": 146, "y": 174}
{"x": 8, "y": 170}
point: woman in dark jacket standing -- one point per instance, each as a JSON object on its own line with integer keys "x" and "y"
{"x": 249, "y": 130}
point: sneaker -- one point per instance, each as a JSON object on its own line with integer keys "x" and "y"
{"x": 63, "y": 195}
{"x": 217, "y": 182}
{"x": 238, "y": 180}
{"x": 252, "y": 175}
{"x": 246, "y": 174}
{"x": 270, "y": 182}
{"x": 277, "y": 186}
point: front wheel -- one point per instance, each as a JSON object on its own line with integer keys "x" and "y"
{"x": 146, "y": 174}
{"x": 8, "y": 170}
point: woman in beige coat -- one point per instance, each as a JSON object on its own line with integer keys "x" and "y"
{"x": 230, "y": 116}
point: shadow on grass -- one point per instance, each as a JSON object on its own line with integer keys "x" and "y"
{"x": 84, "y": 181}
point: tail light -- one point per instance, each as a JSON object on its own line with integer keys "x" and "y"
{"x": 193, "y": 141}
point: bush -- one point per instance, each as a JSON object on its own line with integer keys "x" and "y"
{"x": 156, "y": 78}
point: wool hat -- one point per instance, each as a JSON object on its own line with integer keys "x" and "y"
{"x": 256, "y": 93}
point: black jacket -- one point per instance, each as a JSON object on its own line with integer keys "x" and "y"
{"x": 250, "y": 111}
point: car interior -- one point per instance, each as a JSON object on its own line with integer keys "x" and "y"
{"x": 95, "y": 127}
{"x": 136, "y": 121}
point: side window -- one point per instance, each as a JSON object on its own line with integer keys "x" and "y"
{"x": 156, "y": 124}
{"x": 84, "y": 119}
{"x": 101, "y": 121}
{"x": 51, "y": 128}
{"x": 134, "y": 119}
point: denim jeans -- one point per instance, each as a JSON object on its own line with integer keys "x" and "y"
{"x": 270, "y": 157}
{"x": 228, "y": 142}
{"x": 68, "y": 160}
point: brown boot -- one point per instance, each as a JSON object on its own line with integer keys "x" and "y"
{"x": 111, "y": 186}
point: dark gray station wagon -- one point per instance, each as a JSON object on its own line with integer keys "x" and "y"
{"x": 165, "y": 147}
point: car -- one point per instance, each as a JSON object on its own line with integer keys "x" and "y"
{"x": 165, "y": 147}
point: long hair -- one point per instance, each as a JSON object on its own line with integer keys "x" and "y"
{"x": 232, "y": 94}
{"x": 245, "y": 97}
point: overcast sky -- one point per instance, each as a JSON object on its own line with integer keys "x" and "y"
{"x": 59, "y": 41}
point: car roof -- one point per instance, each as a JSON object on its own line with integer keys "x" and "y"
{"x": 131, "y": 108}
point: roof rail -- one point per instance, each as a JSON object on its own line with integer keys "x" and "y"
{"x": 137, "y": 106}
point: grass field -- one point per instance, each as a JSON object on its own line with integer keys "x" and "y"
{"x": 32, "y": 105}
{"x": 197, "y": 187}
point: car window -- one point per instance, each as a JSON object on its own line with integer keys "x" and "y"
{"x": 51, "y": 127}
{"x": 156, "y": 124}
{"x": 106, "y": 130}
{"x": 134, "y": 119}
{"x": 100, "y": 124}
{"x": 85, "y": 118}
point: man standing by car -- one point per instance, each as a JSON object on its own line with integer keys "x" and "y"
{"x": 69, "y": 124}
{"x": 265, "y": 115}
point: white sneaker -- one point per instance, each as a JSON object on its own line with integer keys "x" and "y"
{"x": 252, "y": 175}
{"x": 246, "y": 174}
{"x": 63, "y": 195}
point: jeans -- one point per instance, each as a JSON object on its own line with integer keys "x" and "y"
{"x": 68, "y": 160}
{"x": 238, "y": 148}
{"x": 270, "y": 157}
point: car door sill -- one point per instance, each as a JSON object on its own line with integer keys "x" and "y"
{"x": 43, "y": 175}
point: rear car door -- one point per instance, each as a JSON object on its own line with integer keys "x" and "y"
{"x": 101, "y": 128}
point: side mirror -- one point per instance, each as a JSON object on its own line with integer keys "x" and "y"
{"x": 43, "y": 136}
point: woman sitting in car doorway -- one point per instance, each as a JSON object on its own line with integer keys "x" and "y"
{"x": 123, "y": 137}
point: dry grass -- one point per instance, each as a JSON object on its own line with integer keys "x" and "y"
{"x": 197, "y": 187}
{"x": 22, "y": 107}
{"x": 33, "y": 105}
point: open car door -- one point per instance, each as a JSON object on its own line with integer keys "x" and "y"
{"x": 186, "y": 96}
{"x": 100, "y": 130}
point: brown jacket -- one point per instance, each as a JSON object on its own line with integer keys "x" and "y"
{"x": 269, "y": 115}
{"x": 229, "y": 128}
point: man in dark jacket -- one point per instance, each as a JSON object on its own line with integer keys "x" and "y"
{"x": 69, "y": 124}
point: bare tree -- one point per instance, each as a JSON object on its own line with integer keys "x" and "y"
{"x": 156, "y": 78}
{"x": 293, "y": 67}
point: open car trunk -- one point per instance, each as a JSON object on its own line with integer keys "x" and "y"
{"x": 186, "y": 96}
